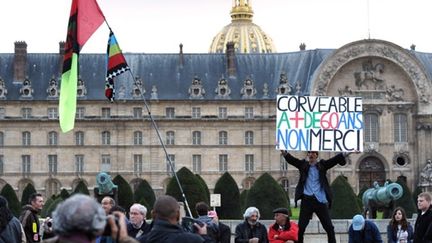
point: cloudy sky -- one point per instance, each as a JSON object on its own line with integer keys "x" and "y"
{"x": 159, "y": 26}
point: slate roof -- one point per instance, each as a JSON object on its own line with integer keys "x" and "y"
{"x": 172, "y": 79}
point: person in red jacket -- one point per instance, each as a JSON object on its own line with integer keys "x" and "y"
{"x": 283, "y": 230}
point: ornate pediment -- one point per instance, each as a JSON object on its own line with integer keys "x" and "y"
{"x": 196, "y": 90}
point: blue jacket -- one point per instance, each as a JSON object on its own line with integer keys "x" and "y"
{"x": 369, "y": 234}
{"x": 392, "y": 234}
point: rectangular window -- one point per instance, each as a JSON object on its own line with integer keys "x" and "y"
{"x": 106, "y": 112}
{"x": 1, "y": 139}
{"x": 249, "y": 113}
{"x": 223, "y": 138}
{"x": 79, "y": 138}
{"x": 106, "y": 163}
{"x": 25, "y": 165}
{"x": 138, "y": 138}
{"x": 223, "y": 112}
{"x": 26, "y": 138}
{"x": 170, "y": 138}
{"x": 80, "y": 113}
{"x": 26, "y": 113}
{"x": 196, "y": 137}
{"x": 137, "y": 112}
{"x": 1, "y": 164}
{"x": 371, "y": 128}
{"x": 223, "y": 162}
{"x": 52, "y": 138}
{"x": 283, "y": 164}
{"x": 168, "y": 167}
{"x": 138, "y": 163}
{"x": 170, "y": 112}
{"x": 196, "y": 163}
{"x": 249, "y": 138}
{"x": 52, "y": 164}
{"x": 52, "y": 113}
{"x": 196, "y": 112}
{"x": 79, "y": 164}
{"x": 400, "y": 128}
{"x": 2, "y": 113}
{"x": 106, "y": 138}
{"x": 249, "y": 162}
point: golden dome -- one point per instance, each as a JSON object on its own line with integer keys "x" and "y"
{"x": 247, "y": 36}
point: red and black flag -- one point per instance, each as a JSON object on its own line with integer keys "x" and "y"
{"x": 116, "y": 65}
{"x": 85, "y": 18}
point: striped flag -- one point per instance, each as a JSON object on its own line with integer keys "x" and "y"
{"x": 116, "y": 65}
{"x": 85, "y": 18}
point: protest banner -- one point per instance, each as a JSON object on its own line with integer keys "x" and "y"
{"x": 319, "y": 123}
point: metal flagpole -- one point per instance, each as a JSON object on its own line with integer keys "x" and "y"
{"x": 159, "y": 136}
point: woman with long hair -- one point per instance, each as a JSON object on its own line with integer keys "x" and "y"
{"x": 10, "y": 227}
{"x": 399, "y": 229}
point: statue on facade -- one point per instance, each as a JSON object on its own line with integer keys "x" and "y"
{"x": 381, "y": 198}
{"x": 426, "y": 174}
{"x": 371, "y": 74}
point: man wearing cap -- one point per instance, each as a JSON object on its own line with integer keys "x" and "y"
{"x": 314, "y": 190}
{"x": 282, "y": 231}
{"x": 363, "y": 231}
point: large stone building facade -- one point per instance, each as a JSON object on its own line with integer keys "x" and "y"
{"x": 214, "y": 113}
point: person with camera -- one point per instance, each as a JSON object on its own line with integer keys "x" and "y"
{"x": 251, "y": 230}
{"x": 29, "y": 217}
{"x": 166, "y": 227}
{"x": 81, "y": 219}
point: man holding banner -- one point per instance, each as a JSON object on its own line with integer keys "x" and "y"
{"x": 312, "y": 124}
{"x": 314, "y": 190}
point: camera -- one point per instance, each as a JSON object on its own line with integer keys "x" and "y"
{"x": 188, "y": 224}
{"x": 107, "y": 230}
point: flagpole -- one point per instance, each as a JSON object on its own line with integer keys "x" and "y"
{"x": 159, "y": 136}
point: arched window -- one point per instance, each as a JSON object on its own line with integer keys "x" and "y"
{"x": 170, "y": 138}
{"x": 223, "y": 138}
{"x": 196, "y": 137}
{"x": 400, "y": 128}
{"x": 138, "y": 138}
{"x": 52, "y": 138}
{"x": 106, "y": 138}
{"x": 371, "y": 130}
{"x": 249, "y": 138}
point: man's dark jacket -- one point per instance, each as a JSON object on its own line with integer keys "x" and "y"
{"x": 28, "y": 217}
{"x": 165, "y": 232}
{"x": 369, "y": 234}
{"x": 323, "y": 165}
{"x": 423, "y": 227}
{"x": 244, "y": 231}
{"x": 132, "y": 231}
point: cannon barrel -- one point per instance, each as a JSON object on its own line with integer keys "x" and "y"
{"x": 104, "y": 183}
{"x": 382, "y": 196}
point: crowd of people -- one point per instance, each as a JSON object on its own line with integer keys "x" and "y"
{"x": 81, "y": 218}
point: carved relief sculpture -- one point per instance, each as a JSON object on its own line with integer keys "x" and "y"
{"x": 370, "y": 75}
{"x": 284, "y": 87}
{"x": 138, "y": 88}
{"x": 426, "y": 174}
{"x": 3, "y": 90}
{"x": 196, "y": 90}
{"x": 223, "y": 91}
{"x": 394, "y": 94}
{"x": 81, "y": 90}
{"x": 26, "y": 90}
{"x": 248, "y": 91}
{"x": 52, "y": 89}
